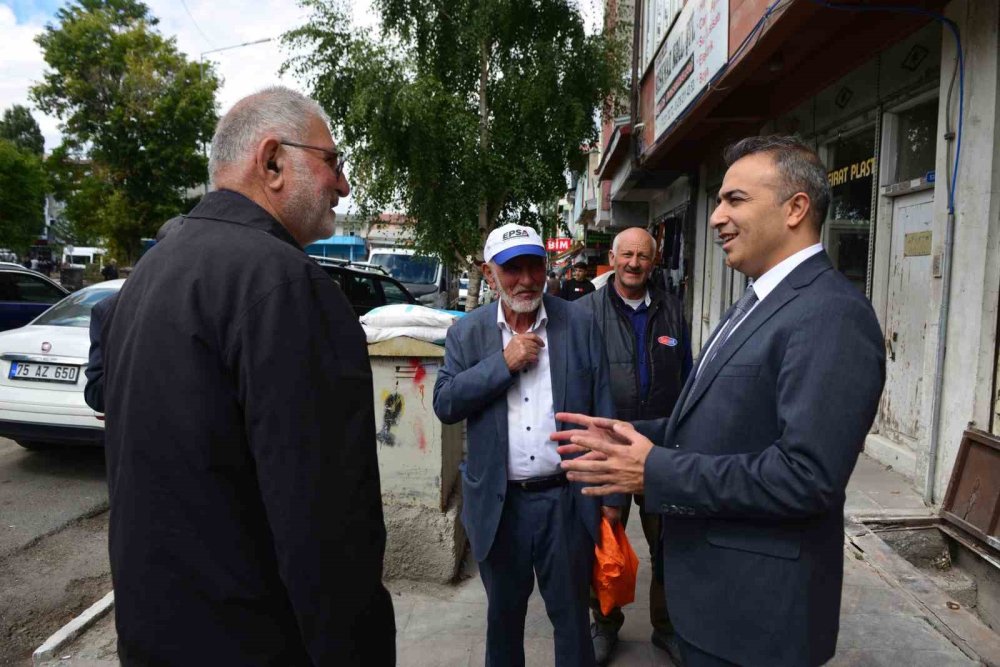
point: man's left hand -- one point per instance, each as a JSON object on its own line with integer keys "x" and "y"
{"x": 610, "y": 467}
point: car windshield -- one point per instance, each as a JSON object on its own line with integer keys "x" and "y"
{"x": 410, "y": 269}
{"x": 74, "y": 310}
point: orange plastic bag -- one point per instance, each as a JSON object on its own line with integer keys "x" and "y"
{"x": 615, "y": 568}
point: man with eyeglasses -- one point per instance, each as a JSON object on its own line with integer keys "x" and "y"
{"x": 246, "y": 517}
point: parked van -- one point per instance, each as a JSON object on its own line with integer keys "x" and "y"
{"x": 81, "y": 257}
{"x": 424, "y": 276}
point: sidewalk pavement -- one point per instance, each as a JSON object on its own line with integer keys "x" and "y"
{"x": 445, "y": 625}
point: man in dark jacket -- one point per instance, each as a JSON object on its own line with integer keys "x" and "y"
{"x": 93, "y": 392}
{"x": 246, "y": 519}
{"x": 110, "y": 271}
{"x": 577, "y": 286}
{"x": 650, "y": 356}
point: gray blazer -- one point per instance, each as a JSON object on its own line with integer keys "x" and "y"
{"x": 473, "y": 385}
{"x": 752, "y": 471}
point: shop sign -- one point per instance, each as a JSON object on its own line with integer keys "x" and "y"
{"x": 557, "y": 245}
{"x": 852, "y": 172}
{"x": 696, "y": 49}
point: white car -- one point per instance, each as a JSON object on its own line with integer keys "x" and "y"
{"x": 42, "y": 379}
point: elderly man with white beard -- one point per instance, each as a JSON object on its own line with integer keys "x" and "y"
{"x": 509, "y": 367}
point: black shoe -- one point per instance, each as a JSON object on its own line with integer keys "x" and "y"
{"x": 605, "y": 642}
{"x": 668, "y": 643}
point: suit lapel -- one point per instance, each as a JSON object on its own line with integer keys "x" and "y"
{"x": 490, "y": 342}
{"x": 784, "y": 292}
{"x": 558, "y": 349}
{"x": 781, "y": 295}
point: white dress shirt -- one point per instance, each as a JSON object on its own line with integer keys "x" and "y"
{"x": 767, "y": 282}
{"x": 530, "y": 415}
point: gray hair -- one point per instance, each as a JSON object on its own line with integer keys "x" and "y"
{"x": 614, "y": 244}
{"x": 799, "y": 169}
{"x": 276, "y": 110}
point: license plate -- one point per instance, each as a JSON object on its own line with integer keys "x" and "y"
{"x": 31, "y": 370}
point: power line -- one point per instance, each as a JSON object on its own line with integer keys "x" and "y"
{"x": 197, "y": 27}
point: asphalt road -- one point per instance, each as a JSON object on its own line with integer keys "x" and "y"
{"x": 43, "y": 491}
{"x": 53, "y": 542}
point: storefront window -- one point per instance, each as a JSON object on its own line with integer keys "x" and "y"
{"x": 848, "y": 224}
{"x": 917, "y": 140}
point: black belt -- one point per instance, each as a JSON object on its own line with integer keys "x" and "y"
{"x": 539, "y": 483}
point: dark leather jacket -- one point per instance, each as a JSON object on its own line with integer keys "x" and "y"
{"x": 667, "y": 344}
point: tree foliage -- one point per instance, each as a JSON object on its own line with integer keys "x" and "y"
{"x": 22, "y": 196}
{"x": 134, "y": 113}
{"x": 20, "y": 128}
{"x": 463, "y": 113}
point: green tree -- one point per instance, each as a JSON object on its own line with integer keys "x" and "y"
{"x": 463, "y": 113}
{"x": 134, "y": 112}
{"x": 19, "y": 127}
{"x": 22, "y": 197}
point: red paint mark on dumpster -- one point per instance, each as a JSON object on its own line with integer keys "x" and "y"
{"x": 419, "y": 373}
{"x": 421, "y": 439}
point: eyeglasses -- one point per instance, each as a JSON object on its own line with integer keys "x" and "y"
{"x": 335, "y": 159}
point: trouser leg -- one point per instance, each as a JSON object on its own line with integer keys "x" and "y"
{"x": 564, "y": 557}
{"x": 611, "y": 622}
{"x": 651, "y": 528}
{"x": 508, "y": 578}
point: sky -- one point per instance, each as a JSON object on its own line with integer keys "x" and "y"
{"x": 198, "y": 25}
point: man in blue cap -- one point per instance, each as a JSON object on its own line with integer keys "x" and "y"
{"x": 509, "y": 367}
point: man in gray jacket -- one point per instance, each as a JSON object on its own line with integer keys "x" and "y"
{"x": 508, "y": 367}
{"x": 648, "y": 350}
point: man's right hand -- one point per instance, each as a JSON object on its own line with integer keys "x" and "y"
{"x": 522, "y": 351}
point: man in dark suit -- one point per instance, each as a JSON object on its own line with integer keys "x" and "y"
{"x": 508, "y": 368}
{"x": 753, "y": 462}
{"x": 93, "y": 391}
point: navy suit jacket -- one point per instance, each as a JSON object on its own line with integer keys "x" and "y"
{"x": 752, "y": 471}
{"x": 93, "y": 391}
{"x": 473, "y": 386}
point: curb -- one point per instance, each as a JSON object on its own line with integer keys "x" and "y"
{"x": 960, "y": 626}
{"x": 67, "y": 633}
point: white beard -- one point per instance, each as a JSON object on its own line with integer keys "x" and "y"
{"x": 518, "y": 306}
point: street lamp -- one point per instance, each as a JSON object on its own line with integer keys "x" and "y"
{"x": 201, "y": 72}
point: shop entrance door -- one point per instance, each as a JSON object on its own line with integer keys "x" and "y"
{"x": 900, "y": 411}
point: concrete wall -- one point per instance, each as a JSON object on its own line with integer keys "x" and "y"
{"x": 970, "y": 362}
{"x": 418, "y": 463}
